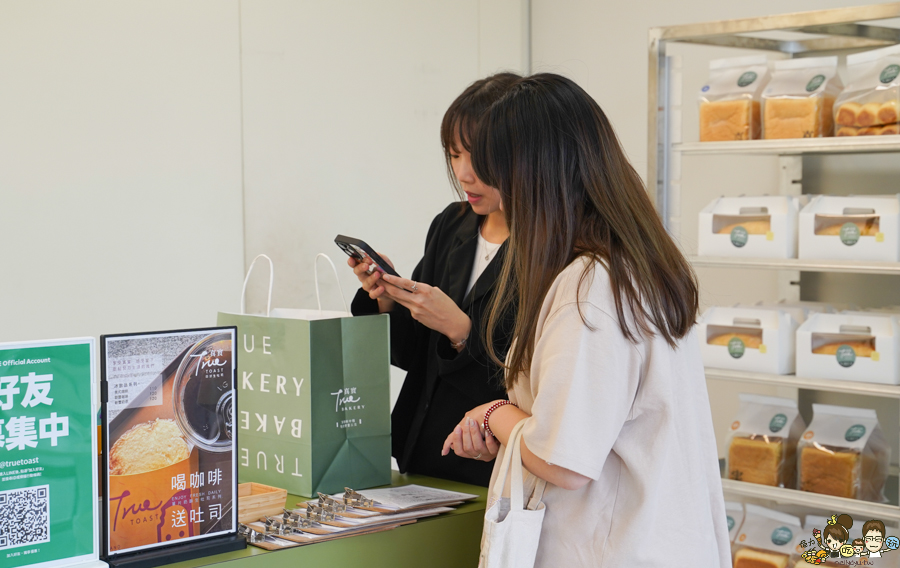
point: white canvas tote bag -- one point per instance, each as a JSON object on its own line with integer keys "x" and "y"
{"x": 512, "y": 530}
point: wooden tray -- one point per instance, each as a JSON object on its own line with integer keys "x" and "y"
{"x": 256, "y": 500}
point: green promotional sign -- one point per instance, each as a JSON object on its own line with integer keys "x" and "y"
{"x": 314, "y": 402}
{"x": 48, "y": 453}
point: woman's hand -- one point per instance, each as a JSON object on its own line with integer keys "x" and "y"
{"x": 430, "y": 306}
{"x": 468, "y": 440}
{"x": 370, "y": 281}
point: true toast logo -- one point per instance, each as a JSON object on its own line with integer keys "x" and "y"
{"x": 833, "y": 543}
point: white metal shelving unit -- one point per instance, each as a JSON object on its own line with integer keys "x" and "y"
{"x": 825, "y": 31}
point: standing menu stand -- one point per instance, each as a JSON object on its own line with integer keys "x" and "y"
{"x": 48, "y": 465}
{"x": 170, "y": 482}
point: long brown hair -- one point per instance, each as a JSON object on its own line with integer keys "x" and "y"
{"x": 568, "y": 191}
{"x": 464, "y": 113}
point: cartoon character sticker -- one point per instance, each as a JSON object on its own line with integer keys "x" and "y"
{"x": 834, "y": 541}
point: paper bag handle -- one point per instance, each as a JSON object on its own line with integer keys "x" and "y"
{"x": 316, "y": 275}
{"x": 271, "y": 281}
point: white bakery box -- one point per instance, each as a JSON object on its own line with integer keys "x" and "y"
{"x": 751, "y": 227}
{"x": 757, "y": 340}
{"x": 800, "y": 310}
{"x": 834, "y": 227}
{"x": 851, "y": 346}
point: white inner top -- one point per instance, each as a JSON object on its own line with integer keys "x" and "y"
{"x": 484, "y": 254}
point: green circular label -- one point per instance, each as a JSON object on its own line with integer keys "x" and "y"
{"x": 845, "y": 356}
{"x": 855, "y": 432}
{"x": 890, "y": 73}
{"x": 849, "y": 234}
{"x": 739, "y": 236}
{"x": 736, "y": 347}
{"x": 777, "y": 423}
{"x": 730, "y": 523}
{"x": 746, "y": 79}
{"x": 782, "y": 536}
{"x": 815, "y": 83}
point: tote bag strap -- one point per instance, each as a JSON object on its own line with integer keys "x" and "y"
{"x": 316, "y": 276}
{"x": 509, "y": 466}
{"x": 271, "y": 281}
{"x": 511, "y": 469}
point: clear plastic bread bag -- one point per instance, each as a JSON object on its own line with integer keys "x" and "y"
{"x": 734, "y": 512}
{"x": 762, "y": 441}
{"x": 870, "y": 104}
{"x": 730, "y": 100}
{"x": 766, "y": 538}
{"x": 799, "y": 100}
{"x": 844, "y": 453}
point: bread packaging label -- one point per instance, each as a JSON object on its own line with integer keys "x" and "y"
{"x": 735, "y": 516}
{"x": 730, "y": 100}
{"x": 750, "y": 227}
{"x": 766, "y": 538}
{"x": 843, "y": 453}
{"x": 799, "y": 100}
{"x": 855, "y": 227}
{"x": 762, "y": 441}
{"x": 748, "y": 339}
{"x": 849, "y": 347}
{"x": 871, "y": 102}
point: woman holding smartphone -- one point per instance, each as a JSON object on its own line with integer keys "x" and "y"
{"x": 436, "y": 326}
{"x": 605, "y": 368}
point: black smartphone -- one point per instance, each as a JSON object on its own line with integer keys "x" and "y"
{"x": 362, "y": 252}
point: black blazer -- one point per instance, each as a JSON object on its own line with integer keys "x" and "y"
{"x": 442, "y": 385}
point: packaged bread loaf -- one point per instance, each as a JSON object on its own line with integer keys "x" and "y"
{"x": 762, "y": 441}
{"x": 730, "y": 101}
{"x": 868, "y": 130}
{"x": 843, "y": 453}
{"x": 799, "y": 100}
{"x": 766, "y": 539}
{"x": 871, "y": 100}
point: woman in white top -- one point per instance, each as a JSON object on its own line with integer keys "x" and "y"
{"x": 605, "y": 367}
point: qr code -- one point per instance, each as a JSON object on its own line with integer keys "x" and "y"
{"x": 24, "y": 516}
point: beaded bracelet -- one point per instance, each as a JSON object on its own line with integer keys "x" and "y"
{"x": 493, "y": 407}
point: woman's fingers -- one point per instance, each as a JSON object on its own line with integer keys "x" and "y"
{"x": 483, "y": 447}
{"x": 469, "y": 433}
{"x": 453, "y": 441}
{"x": 492, "y": 444}
{"x": 403, "y": 283}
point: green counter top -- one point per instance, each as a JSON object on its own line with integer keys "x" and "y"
{"x": 451, "y": 540}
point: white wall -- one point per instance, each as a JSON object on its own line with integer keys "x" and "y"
{"x": 120, "y": 165}
{"x": 342, "y": 108}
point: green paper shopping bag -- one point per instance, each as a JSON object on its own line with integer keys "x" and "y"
{"x": 313, "y": 397}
